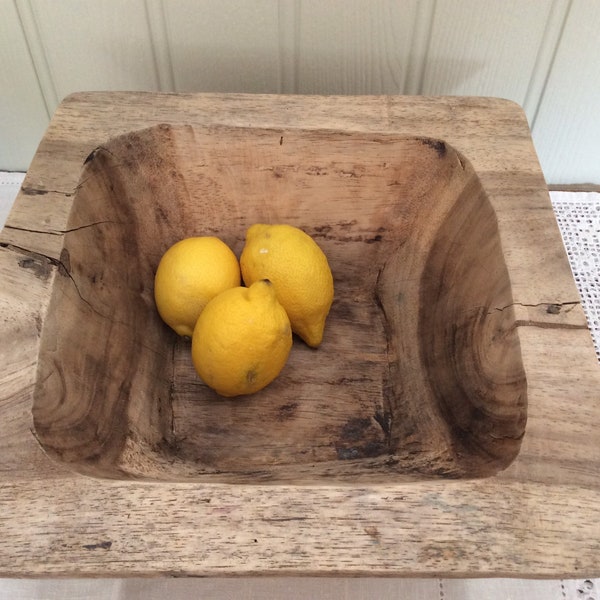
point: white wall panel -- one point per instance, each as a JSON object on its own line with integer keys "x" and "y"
{"x": 92, "y": 45}
{"x": 566, "y": 131}
{"x": 23, "y": 115}
{"x": 485, "y": 48}
{"x": 157, "y": 23}
{"x": 555, "y": 23}
{"x": 224, "y": 45}
{"x": 355, "y": 47}
{"x": 540, "y": 53}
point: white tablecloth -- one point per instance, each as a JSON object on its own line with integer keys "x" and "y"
{"x": 578, "y": 216}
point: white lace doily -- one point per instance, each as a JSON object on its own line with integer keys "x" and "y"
{"x": 578, "y": 216}
{"x": 9, "y": 187}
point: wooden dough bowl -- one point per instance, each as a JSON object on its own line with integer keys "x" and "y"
{"x": 441, "y": 428}
{"x": 420, "y": 372}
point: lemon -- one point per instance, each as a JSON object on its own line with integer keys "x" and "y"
{"x": 242, "y": 340}
{"x": 190, "y": 273}
{"x": 298, "y": 269}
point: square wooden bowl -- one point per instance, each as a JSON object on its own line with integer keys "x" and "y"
{"x": 441, "y": 428}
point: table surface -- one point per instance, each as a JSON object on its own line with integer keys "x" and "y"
{"x": 578, "y": 216}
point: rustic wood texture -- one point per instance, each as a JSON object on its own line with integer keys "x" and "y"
{"x": 396, "y": 521}
{"x": 408, "y": 376}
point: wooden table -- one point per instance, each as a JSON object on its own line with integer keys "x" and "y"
{"x": 56, "y": 522}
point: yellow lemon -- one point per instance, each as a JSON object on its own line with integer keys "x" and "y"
{"x": 299, "y": 270}
{"x": 190, "y": 273}
{"x": 242, "y": 340}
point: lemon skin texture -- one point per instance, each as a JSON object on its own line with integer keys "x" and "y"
{"x": 298, "y": 269}
{"x": 241, "y": 340}
{"x": 190, "y": 273}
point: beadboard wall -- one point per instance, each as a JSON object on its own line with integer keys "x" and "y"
{"x": 543, "y": 54}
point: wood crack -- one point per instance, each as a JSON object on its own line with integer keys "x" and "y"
{"x": 388, "y": 383}
{"x": 545, "y": 325}
{"x": 60, "y": 231}
{"x": 26, "y": 229}
{"x": 33, "y": 191}
{"x": 552, "y": 308}
{"x": 38, "y": 255}
{"x": 58, "y": 264}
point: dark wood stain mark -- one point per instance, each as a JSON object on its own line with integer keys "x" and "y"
{"x": 286, "y": 411}
{"x": 65, "y": 262}
{"x": 90, "y": 156}
{"x": 385, "y": 421}
{"x": 373, "y": 240}
{"x": 345, "y": 225}
{"x": 284, "y": 519}
{"x": 356, "y": 441}
{"x": 40, "y": 268}
{"x": 438, "y": 145}
{"x": 316, "y": 171}
{"x": 373, "y": 533}
{"x": 354, "y": 429}
{"x": 369, "y": 450}
{"x": 99, "y": 546}
{"x": 28, "y": 191}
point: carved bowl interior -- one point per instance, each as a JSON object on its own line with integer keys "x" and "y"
{"x": 419, "y": 374}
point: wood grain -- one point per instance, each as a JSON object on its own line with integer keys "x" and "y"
{"x": 409, "y": 377}
{"x": 512, "y": 523}
{"x": 389, "y": 384}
